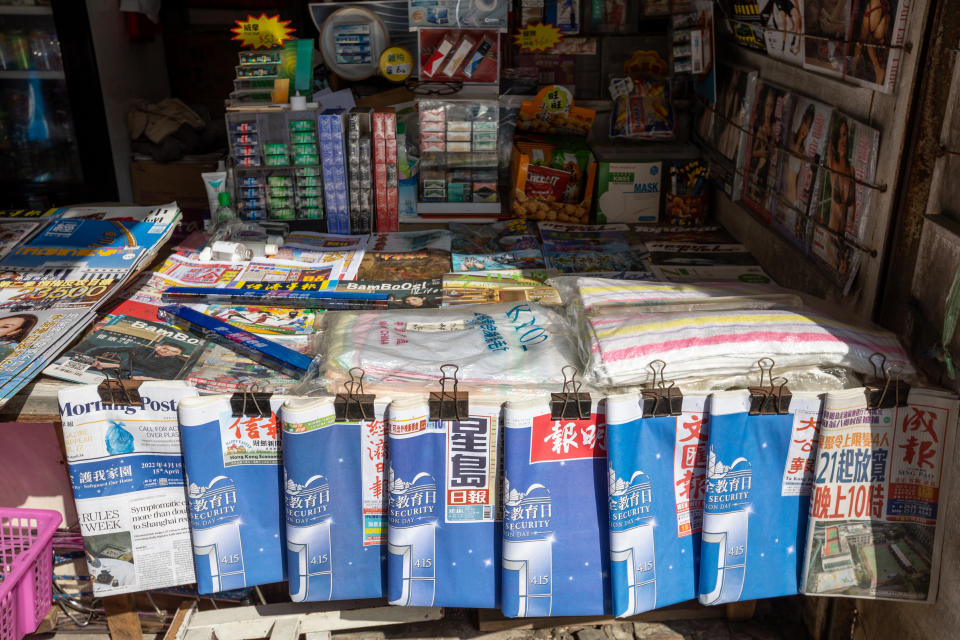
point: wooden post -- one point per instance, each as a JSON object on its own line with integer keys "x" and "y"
{"x": 122, "y": 619}
{"x": 738, "y": 611}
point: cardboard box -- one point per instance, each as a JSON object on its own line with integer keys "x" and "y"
{"x": 629, "y": 192}
{"x": 159, "y": 183}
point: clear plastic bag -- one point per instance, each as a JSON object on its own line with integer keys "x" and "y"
{"x": 494, "y": 346}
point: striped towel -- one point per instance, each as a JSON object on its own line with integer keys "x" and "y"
{"x": 701, "y": 345}
{"x": 598, "y": 295}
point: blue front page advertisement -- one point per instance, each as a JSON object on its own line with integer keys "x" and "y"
{"x": 656, "y": 484}
{"x": 233, "y": 471}
{"x": 555, "y": 533}
{"x": 443, "y": 536}
{"x": 759, "y": 474}
{"x": 335, "y": 501}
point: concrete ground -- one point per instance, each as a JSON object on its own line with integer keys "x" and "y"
{"x": 777, "y": 619}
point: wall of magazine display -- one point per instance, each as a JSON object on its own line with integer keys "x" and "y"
{"x": 820, "y": 175}
{"x": 858, "y": 41}
{"x": 797, "y": 164}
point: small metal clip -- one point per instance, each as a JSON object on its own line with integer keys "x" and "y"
{"x": 886, "y": 390}
{"x": 449, "y": 404}
{"x": 119, "y": 391}
{"x": 773, "y": 399}
{"x": 354, "y": 404}
{"x": 259, "y": 402}
{"x": 570, "y": 403}
{"x": 663, "y": 399}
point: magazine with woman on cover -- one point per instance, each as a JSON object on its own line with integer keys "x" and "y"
{"x": 845, "y": 195}
{"x": 771, "y": 110}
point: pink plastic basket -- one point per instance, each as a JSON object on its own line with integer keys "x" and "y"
{"x": 26, "y": 569}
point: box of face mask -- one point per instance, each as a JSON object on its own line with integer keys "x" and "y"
{"x": 628, "y": 192}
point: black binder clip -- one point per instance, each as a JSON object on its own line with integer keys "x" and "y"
{"x": 570, "y": 403}
{"x": 662, "y": 400}
{"x": 772, "y": 399}
{"x": 354, "y": 404}
{"x": 449, "y": 403}
{"x": 886, "y": 390}
{"x": 121, "y": 390}
{"x": 250, "y": 403}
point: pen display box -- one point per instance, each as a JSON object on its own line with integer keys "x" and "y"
{"x": 276, "y": 156}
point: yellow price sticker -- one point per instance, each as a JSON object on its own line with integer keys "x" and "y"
{"x": 538, "y": 37}
{"x": 263, "y": 32}
{"x": 396, "y": 64}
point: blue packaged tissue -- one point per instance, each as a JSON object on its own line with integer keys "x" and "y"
{"x": 555, "y": 534}
{"x": 335, "y": 502}
{"x": 443, "y": 536}
{"x": 657, "y": 477}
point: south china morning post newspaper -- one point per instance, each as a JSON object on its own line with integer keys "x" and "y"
{"x": 128, "y": 482}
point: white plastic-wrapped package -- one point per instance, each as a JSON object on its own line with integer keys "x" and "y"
{"x": 699, "y": 345}
{"x": 510, "y": 344}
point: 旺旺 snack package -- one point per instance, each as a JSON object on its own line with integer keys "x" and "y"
{"x": 553, "y": 172}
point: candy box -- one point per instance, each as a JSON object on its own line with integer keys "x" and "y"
{"x": 525, "y": 206}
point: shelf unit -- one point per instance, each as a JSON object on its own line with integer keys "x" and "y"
{"x": 17, "y": 10}
{"x": 31, "y": 75}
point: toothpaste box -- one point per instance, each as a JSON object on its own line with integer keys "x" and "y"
{"x": 629, "y": 192}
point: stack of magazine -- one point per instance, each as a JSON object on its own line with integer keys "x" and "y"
{"x": 52, "y": 283}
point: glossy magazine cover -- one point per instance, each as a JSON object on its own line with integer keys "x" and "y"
{"x": 806, "y": 146}
{"x": 771, "y": 113}
{"x": 129, "y": 347}
{"x": 844, "y": 198}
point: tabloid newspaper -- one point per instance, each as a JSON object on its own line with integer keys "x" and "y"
{"x": 443, "y": 528}
{"x": 756, "y": 498}
{"x": 875, "y": 527}
{"x": 556, "y": 559}
{"x": 234, "y": 492}
{"x": 335, "y": 503}
{"x": 657, "y": 478}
